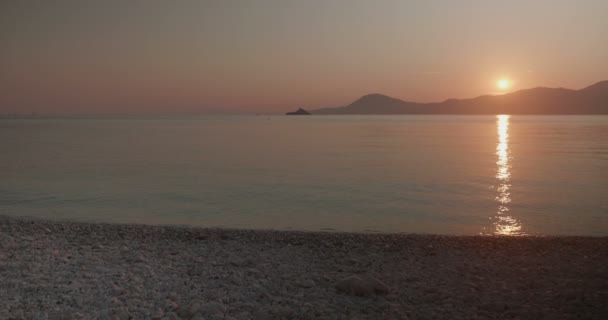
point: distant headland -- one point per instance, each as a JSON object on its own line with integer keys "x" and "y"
{"x": 550, "y": 101}
{"x": 299, "y": 112}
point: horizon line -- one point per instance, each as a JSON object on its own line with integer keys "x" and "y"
{"x": 238, "y": 111}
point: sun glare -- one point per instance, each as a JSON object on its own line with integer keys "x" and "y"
{"x": 503, "y": 84}
{"x": 505, "y": 223}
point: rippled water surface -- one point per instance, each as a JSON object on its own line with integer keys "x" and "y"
{"x": 425, "y": 174}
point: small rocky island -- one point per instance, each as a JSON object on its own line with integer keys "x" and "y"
{"x": 299, "y": 112}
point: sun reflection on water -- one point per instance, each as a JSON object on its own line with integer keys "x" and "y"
{"x": 504, "y": 223}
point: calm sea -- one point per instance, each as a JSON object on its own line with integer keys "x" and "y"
{"x": 544, "y": 175}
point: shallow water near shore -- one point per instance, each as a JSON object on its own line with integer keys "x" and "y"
{"x": 511, "y": 175}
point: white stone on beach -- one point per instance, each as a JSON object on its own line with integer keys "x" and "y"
{"x": 307, "y": 283}
{"x": 366, "y": 286}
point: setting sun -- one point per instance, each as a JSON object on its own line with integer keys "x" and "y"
{"x": 503, "y": 84}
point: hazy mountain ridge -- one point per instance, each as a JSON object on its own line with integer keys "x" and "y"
{"x": 540, "y": 100}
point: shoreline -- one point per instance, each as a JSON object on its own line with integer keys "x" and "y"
{"x": 80, "y": 270}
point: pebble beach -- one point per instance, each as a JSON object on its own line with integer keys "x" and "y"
{"x": 72, "y": 270}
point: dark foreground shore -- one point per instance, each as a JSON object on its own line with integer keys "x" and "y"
{"x": 59, "y": 270}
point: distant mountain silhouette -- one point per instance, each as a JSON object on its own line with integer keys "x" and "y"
{"x": 590, "y": 100}
{"x": 299, "y": 112}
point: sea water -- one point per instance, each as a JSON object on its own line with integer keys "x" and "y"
{"x": 511, "y": 175}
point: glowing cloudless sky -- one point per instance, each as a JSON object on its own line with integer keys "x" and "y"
{"x": 271, "y": 56}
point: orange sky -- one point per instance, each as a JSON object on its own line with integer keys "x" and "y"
{"x": 90, "y": 57}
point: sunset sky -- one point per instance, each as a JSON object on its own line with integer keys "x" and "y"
{"x": 90, "y": 57}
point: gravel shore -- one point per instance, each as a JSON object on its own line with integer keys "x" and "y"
{"x": 65, "y": 270}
